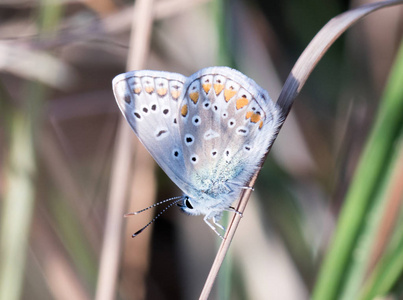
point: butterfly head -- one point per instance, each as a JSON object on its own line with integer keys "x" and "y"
{"x": 188, "y": 207}
{"x": 202, "y": 206}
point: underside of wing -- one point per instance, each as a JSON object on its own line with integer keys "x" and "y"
{"x": 150, "y": 100}
{"x": 227, "y": 123}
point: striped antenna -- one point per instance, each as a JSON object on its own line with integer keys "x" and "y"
{"x": 159, "y": 214}
{"x": 151, "y": 206}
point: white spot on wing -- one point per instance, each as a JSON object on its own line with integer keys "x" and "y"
{"x": 214, "y": 153}
{"x": 206, "y": 104}
{"x": 194, "y": 159}
{"x": 231, "y": 123}
{"x": 196, "y": 120}
{"x": 189, "y": 139}
{"x": 210, "y": 134}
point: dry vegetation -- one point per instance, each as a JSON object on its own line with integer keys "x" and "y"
{"x": 70, "y": 168}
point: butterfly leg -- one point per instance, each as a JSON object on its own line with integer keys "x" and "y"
{"x": 233, "y": 209}
{"x": 212, "y": 226}
{"x": 248, "y": 188}
{"x": 215, "y": 221}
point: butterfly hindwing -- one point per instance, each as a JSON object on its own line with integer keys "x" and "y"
{"x": 227, "y": 124}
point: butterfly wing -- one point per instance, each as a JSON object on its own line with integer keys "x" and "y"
{"x": 149, "y": 100}
{"x": 227, "y": 123}
{"x": 208, "y": 132}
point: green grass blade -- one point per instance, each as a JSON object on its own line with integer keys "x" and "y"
{"x": 363, "y": 187}
{"x": 369, "y": 233}
{"x": 17, "y": 208}
{"x": 19, "y": 195}
{"x": 370, "y": 236}
{"x": 390, "y": 267}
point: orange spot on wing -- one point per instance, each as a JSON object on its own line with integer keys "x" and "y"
{"x": 228, "y": 94}
{"x": 255, "y": 118}
{"x": 206, "y": 87}
{"x": 162, "y": 91}
{"x": 137, "y": 90}
{"x": 175, "y": 94}
{"x": 194, "y": 97}
{"x": 261, "y": 125}
{"x": 241, "y": 102}
{"x": 218, "y": 88}
{"x": 249, "y": 114}
{"x": 184, "y": 110}
{"x": 149, "y": 89}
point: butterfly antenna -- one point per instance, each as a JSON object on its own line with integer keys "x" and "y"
{"x": 157, "y": 216}
{"x": 154, "y": 205}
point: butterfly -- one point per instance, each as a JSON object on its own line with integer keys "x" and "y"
{"x": 209, "y": 132}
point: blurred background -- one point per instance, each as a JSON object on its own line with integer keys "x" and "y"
{"x": 59, "y": 131}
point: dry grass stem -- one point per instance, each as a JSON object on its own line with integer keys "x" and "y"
{"x": 122, "y": 19}
{"x": 72, "y": 167}
{"x": 318, "y": 47}
{"x": 21, "y": 61}
{"x": 120, "y": 173}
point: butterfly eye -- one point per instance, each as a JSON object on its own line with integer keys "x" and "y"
{"x": 188, "y": 205}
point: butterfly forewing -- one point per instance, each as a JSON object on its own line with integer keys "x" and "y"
{"x": 149, "y": 100}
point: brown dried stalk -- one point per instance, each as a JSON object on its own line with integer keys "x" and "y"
{"x": 111, "y": 247}
{"x": 292, "y": 87}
